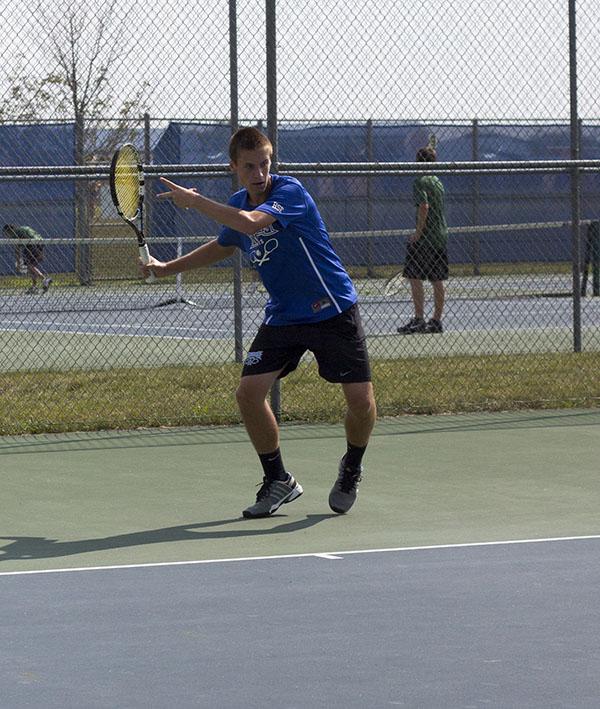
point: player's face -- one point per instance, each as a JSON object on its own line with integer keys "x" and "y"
{"x": 252, "y": 168}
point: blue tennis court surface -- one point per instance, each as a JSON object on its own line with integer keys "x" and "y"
{"x": 508, "y": 625}
{"x": 381, "y": 316}
{"x": 182, "y": 335}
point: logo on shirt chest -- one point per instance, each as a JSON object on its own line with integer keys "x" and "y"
{"x": 262, "y": 245}
{"x": 263, "y": 233}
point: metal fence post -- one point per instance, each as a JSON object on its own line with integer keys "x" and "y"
{"x": 370, "y": 260}
{"x": 575, "y": 179}
{"x": 238, "y": 330}
{"x": 476, "y": 256}
{"x": 82, "y": 226}
{"x": 148, "y": 197}
{"x": 271, "y": 31}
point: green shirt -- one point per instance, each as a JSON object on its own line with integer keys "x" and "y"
{"x": 26, "y": 232}
{"x": 428, "y": 189}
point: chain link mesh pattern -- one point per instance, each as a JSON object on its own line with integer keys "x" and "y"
{"x": 360, "y": 87}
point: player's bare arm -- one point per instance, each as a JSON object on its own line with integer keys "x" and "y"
{"x": 421, "y": 221}
{"x": 238, "y": 219}
{"x": 204, "y": 255}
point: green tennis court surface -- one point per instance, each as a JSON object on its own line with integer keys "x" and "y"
{"x": 113, "y": 498}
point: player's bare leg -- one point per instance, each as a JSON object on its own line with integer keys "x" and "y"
{"x": 438, "y": 299}
{"x": 359, "y": 422}
{"x": 418, "y": 296}
{"x": 278, "y": 486}
{"x": 416, "y": 324}
{"x": 35, "y": 275}
{"x": 361, "y": 412}
{"x": 258, "y": 417}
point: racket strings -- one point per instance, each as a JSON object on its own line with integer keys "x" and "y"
{"x": 127, "y": 182}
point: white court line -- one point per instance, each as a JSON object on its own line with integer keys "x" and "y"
{"x": 322, "y": 555}
{"x": 327, "y": 556}
{"x": 14, "y": 324}
{"x": 200, "y": 332}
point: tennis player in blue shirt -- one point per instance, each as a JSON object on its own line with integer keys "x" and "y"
{"x": 311, "y": 306}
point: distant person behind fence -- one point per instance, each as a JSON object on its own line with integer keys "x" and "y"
{"x": 30, "y": 254}
{"x": 427, "y": 250}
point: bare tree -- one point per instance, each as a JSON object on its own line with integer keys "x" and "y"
{"x": 84, "y": 48}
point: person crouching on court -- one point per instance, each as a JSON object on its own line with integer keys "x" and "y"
{"x": 427, "y": 250}
{"x": 29, "y": 254}
{"x": 312, "y": 306}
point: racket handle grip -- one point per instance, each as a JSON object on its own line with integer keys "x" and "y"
{"x": 145, "y": 256}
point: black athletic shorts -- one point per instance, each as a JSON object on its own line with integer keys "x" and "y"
{"x": 338, "y": 343}
{"x": 33, "y": 254}
{"x": 425, "y": 262}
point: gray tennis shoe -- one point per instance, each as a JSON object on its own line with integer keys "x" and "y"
{"x": 345, "y": 489}
{"x": 273, "y": 494}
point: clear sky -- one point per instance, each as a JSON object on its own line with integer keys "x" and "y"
{"x": 380, "y": 59}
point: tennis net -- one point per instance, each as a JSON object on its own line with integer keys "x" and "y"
{"x": 486, "y": 261}
{"x": 493, "y": 261}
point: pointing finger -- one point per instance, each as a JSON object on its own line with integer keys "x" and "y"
{"x": 170, "y": 184}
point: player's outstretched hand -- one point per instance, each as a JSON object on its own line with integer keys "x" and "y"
{"x": 181, "y": 196}
{"x": 158, "y": 268}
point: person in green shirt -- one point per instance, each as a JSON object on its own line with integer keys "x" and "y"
{"x": 427, "y": 251}
{"x": 30, "y": 254}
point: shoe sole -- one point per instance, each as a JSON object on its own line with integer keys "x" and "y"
{"x": 293, "y": 495}
{"x": 339, "y": 511}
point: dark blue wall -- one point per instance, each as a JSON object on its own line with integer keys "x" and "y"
{"x": 47, "y": 206}
{"x": 483, "y": 199}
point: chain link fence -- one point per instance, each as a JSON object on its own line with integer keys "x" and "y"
{"x": 347, "y": 92}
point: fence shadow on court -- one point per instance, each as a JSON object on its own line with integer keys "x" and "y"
{"x": 45, "y": 548}
{"x": 224, "y": 435}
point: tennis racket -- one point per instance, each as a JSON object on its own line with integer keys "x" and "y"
{"x": 127, "y": 192}
{"x": 396, "y": 284}
{"x": 400, "y": 285}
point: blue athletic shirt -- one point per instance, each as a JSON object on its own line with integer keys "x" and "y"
{"x": 294, "y": 256}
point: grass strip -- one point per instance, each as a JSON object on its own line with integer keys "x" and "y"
{"x": 45, "y": 402}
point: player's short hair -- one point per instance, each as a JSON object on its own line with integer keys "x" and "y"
{"x": 427, "y": 154}
{"x": 247, "y": 139}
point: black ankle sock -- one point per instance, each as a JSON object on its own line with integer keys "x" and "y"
{"x": 354, "y": 455}
{"x": 273, "y": 465}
